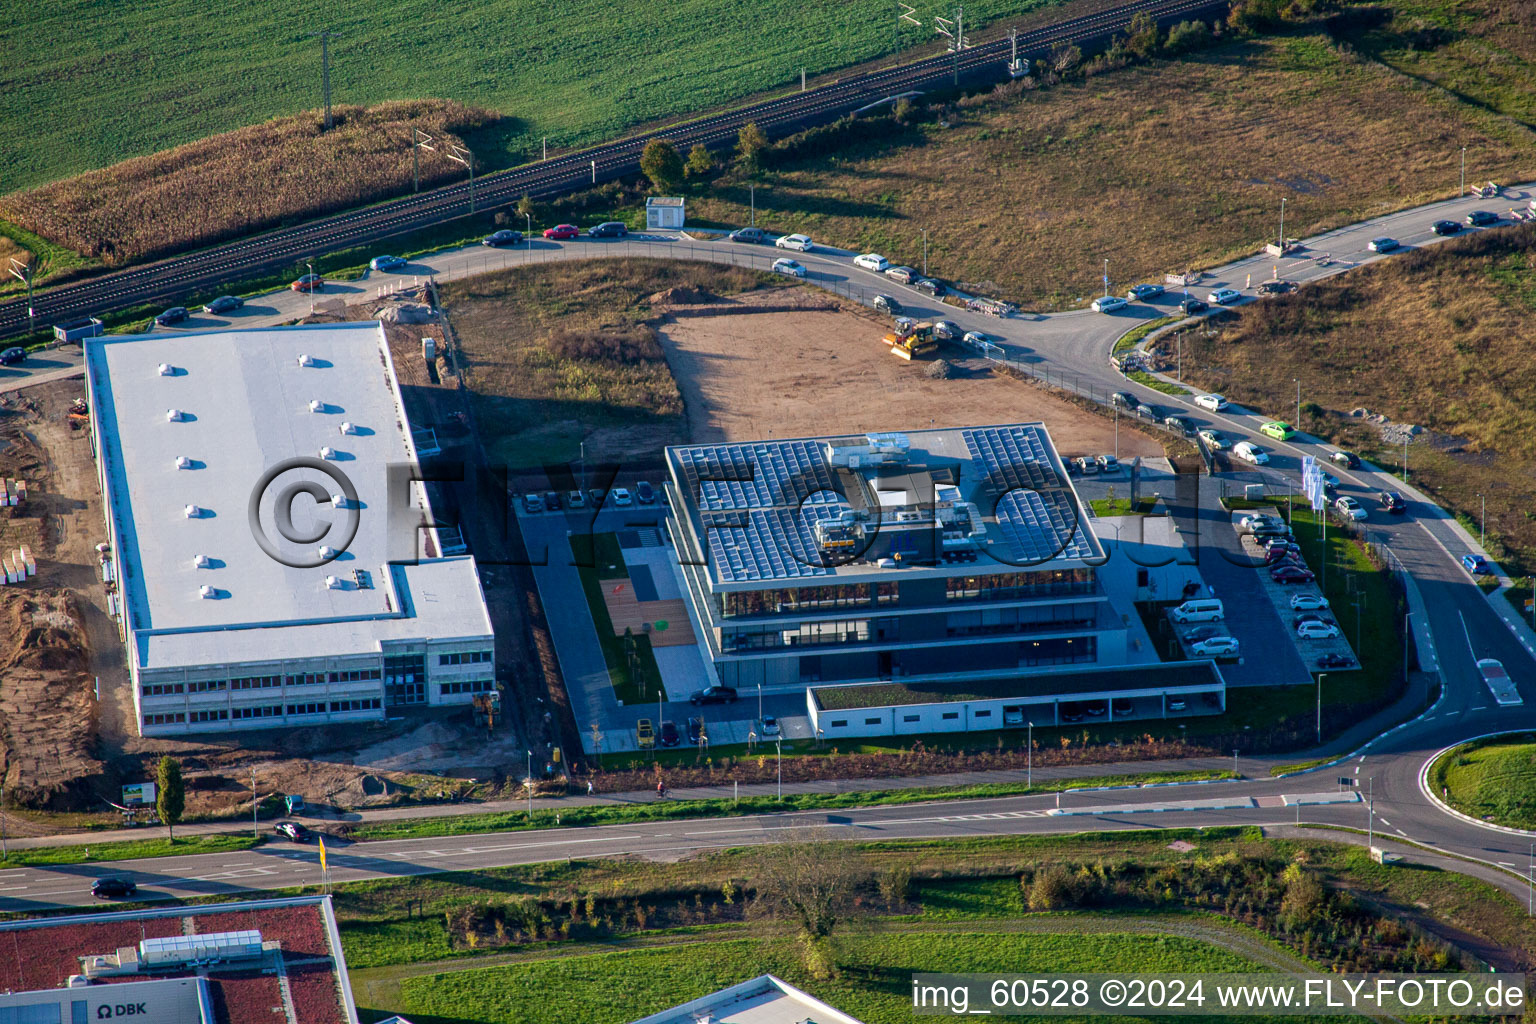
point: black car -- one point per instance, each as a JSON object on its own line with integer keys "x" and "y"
{"x": 1071, "y": 713}
{"x": 505, "y": 236}
{"x": 929, "y": 286}
{"x": 749, "y": 235}
{"x": 1148, "y": 411}
{"x": 695, "y": 729}
{"x": 1124, "y": 399}
{"x": 1193, "y": 305}
{"x": 1445, "y": 227}
{"x": 552, "y": 500}
{"x": 1335, "y": 661}
{"x": 1204, "y": 633}
{"x": 595, "y": 496}
{"x": 293, "y": 830}
{"x": 669, "y": 735}
{"x": 886, "y": 304}
{"x": 645, "y": 494}
{"x": 608, "y": 229}
{"x": 1393, "y": 502}
{"x": 1349, "y": 460}
{"x": 174, "y": 315}
{"x": 12, "y": 356}
{"x": 1096, "y": 708}
{"x": 713, "y": 695}
{"x": 113, "y": 887}
{"x": 1477, "y": 218}
{"x": 1311, "y": 617}
{"x": 1179, "y": 423}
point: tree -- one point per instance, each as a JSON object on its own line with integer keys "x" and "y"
{"x": 750, "y": 143}
{"x": 526, "y": 207}
{"x": 1142, "y": 36}
{"x": 809, "y": 884}
{"x": 701, "y": 162}
{"x": 1064, "y": 57}
{"x": 660, "y": 162}
{"x": 170, "y": 795}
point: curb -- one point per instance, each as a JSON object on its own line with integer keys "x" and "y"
{"x": 1445, "y": 808}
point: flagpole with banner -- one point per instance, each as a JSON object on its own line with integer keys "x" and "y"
{"x": 325, "y": 871}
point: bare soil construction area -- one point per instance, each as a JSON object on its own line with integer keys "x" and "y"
{"x": 746, "y": 373}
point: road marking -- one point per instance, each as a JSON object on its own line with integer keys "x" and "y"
{"x": 1401, "y": 832}
{"x": 1503, "y": 863}
{"x": 1385, "y": 822}
{"x": 10, "y": 888}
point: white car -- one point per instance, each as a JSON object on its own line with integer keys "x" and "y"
{"x": 1250, "y": 452}
{"x": 1108, "y": 464}
{"x": 1108, "y": 303}
{"x": 769, "y": 727}
{"x": 1214, "y": 403}
{"x": 620, "y": 497}
{"x": 799, "y": 243}
{"x": 872, "y": 261}
{"x": 1349, "y": 508}
{"x": 1215, "y": 440}
{"x": 1215, "y": 647}
{"x": 788, "y": 267}
{"x": 1225, "y": 296}
{"x": 977, "y": 340}
{"x": 1317, "y": 630}
{"x": 1308, "y": 602}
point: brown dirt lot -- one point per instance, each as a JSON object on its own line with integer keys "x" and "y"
{"x": 823, "y": 370}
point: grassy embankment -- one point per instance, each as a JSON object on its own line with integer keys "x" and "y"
{"x": 1494, "y": 780}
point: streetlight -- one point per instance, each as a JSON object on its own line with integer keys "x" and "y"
{"x": 311, "y": 289}
{"x": 1320, "y": 677}
{"x": 1297, "y": 382}
{"x": 778, "y": 758}
{"x": 528, "y": 782}
{"x": 1482, "y": 526}
{"x": 1106, "y": 278}
{"x": 529, "y": 236}
{"x": 759, "y": 700}
{"x": 925, "y": 252}
{"x": 752, "y": 198}
{"x": 1530, "y": 874}
{"x": 1463, "y": 172}
{"x": 1282, "y": 228}
{"x": 1029, "y": 759}
{"x": 1234, "y": 765}
{"x": 1370, "y": 827}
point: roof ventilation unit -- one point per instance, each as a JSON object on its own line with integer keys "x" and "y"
{"x": 327, "y": 552}
{"x": 167, "y": 370}
{"x": 182, "y": 462}
{"x": 349, "y": 428}
{"x": 315, "y": 405}
{"x": 193, "y": 511}
{"x": 206, "y": 592}
{"x": 333, "y": 583}
{"x": 188, "y": 950}
{"x": 327, "y": 452}
{"x": 202, "y": 561}
{"x": 305, "y": 359}
{"x": 174, "y": 415}
{"x": 339, "y": 501}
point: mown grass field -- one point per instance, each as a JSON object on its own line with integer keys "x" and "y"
{"x": 1161, "y": 167}
{"x": 153, "y": 76}
{"x": 1495, "y": 780}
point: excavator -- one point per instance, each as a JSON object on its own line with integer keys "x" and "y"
{"x": 910, "y": 339}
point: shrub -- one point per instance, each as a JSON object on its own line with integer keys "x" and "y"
{"x": 660, "y": 163}
{"x": 1186, "y": 36}
{"x": 628, "y": 345}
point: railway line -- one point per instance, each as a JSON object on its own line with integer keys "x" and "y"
{"x": 177, "y": 276}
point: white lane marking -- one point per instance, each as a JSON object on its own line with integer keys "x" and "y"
{"x": 1401, "y": 832}
{"x": 10, "y": 888}
{"x": 1385, "y": 822}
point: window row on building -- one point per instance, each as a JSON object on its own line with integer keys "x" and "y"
{"x": 355, "y": 675}
{"x": 465, "y": 658}
{"x": 1011, "y": 586}
{"x": 799, "y": 599}
{"x": 900, "y": 629}
{"x": 468, "y": 686}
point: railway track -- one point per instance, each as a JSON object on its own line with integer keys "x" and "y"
{"x": 177, "y": 276}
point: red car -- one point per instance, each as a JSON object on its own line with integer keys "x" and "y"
{"x": 1291, "y": 574}
{"x": 309, "y": 283}
{"x": 562, "y": 232}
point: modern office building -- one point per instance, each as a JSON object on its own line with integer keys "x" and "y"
{"x": 763, "y": 1000}
{"x": 253, "y": 591}
{"x": 933, "y": 555}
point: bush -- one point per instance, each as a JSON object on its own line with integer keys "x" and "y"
{"x": 1186, "y": 36}
{"x": 660, "y": 163}
{"x": 628, "y": 345}
{"x": 1051, "y": 889}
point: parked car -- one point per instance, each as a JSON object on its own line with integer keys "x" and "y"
{"x": 1108, "y": 303}
{"x": 1108, "y": 464}
{"x": 1212, "y": 402}
{"x": 596, "y": 495}
{"x": 799, "y": 243}
{"x": 1308, "y": 602}
{"x": 1349, "y": 508}
{"x": 113, "y": 887}
{"x": 904, "y": 275}
{"x": 309, "y": 283}
{"x": 506, "y": 236}
{"x": 608, "y": 229}
{"x": 1445, "y": 227}
{"x": 1205, "y": 633}
{"x": 575, "y": 499}
{"x": 1349, "y": 460}
{"x": 978, "y": 340}
{"x": 1192, "y": 305}
{"x": 1478, "y": 218}
{"x": 947, "y": 330}
{"x": 562, "y": 232}
{"x": 1144, "y": 292}
{"x": 930, "y": 286}
{"x": 788, "y": 267}
{"x": 872, "y": 261}
{"x": 1177, "y": 704}
{"x": 668, "y": 734}
{"x": 1096, "y": 708}
{"x": 1245, "y": 523}
{"x": 619, "y": 496}
{"x": 887, "y": 304}
{"x": 769, "y": 727}
{"x": 532, "y": 503}
{"x": 1224, "y": 296}
{"x": 1477, "y": 565}
{"x": 224, "y": 304}
{"x": 1282, "y": 556}
{"x": 1335, "y": 660}
{"x": 552, "y": 500}
{"x": 645, "y": 493}
{"x": 1291, "y": 574}
{"x": 174, "y": 315}
{"x": 1271, "y": 531}
{"x": 757, "y": 236}
{"x": 1215, "y": 439}
{"x": 1124, "y": 399}
{"x": 12, "y": 356}
{"x": 1250, "y": 452}
{"x": 1393, "y": 502}
{"x": 1318, "y": 630}
{"x": 1071, "y": 713}
{"x": 1278, "y": 429}
{"x": 1122, "y": 708}
{"x": 1215, "y": 647}
{"x": 696, "y": 729}
{"x": 1383, "y": 244}
{"x": 1179, "y": 423}
{"x": 292, "y": 830}
{"x": 1086, "y": 465}
{"x": 713, "y": 695}
{"x": 388, "y": 262}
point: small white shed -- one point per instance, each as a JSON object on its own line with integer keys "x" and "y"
{"x": 664, "y": 212}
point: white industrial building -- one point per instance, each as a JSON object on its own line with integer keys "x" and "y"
{"x": 221, "y": 634}
{"x": 763, "y": 1000}
{"x": 665, "y": 212}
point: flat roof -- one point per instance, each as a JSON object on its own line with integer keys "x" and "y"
{"x": 190, "y": 423}
{"x": 755, "y": 505}
{"x": 763, "y": 1000}
{"x": 1043, "y": 686}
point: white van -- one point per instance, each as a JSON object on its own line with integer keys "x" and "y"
{"x": 1200, "y": 609}
{"x": 872, "y": 261}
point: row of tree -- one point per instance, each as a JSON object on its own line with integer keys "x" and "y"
{"x": 666, "y": 168}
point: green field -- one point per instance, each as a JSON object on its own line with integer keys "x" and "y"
{"x": 85, "y": 88}
{"x": 1495, "y": 781}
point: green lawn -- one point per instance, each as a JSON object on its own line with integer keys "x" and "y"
{"x": 1494, "y": 780}
{"x": 151, "y": 76}
{"x": 132, "y": 849}
{"x": 1122, "y": 506}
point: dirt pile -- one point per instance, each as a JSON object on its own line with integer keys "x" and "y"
{"x": 682, "y": 295}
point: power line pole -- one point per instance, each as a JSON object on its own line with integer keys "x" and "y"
{"x": 23, "y": 272}
{"x": 325, "y": 35}
{"x": 460, "y": 155}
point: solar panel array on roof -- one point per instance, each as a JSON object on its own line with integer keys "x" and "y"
{"x": 766, "y": 544}
{"x": 760, "y": 475}
{"x": 1012, "y": 458}
{"x": 1035, "y": 513}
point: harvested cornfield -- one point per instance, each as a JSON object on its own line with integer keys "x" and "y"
{"x": 248, "y": 180}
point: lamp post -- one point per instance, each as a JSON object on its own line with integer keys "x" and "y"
{"x": 528, "y": 783}
{"x": 1297, "y": 382}
{"x": 528, "y": 237}
{"x": 778, "y": 758}
{"x": 1282, "y": 228}
{"x": 925, "y": 252}
{"x": 311, "y": 289}
{"x": 1463, "y": 172}
{"x": 1320, "y": 677}
{"x": 752, "y": 199}
{"x": 1106, "y": 278}
{"x": 255, "y": 807}
{"x": 1482, "y": 524}
{"x": 1029, "y": 758}
{"x": 1234, "y": 764}
{"x": 1530, "y": 874}
{"x": 759, "y": 700}
{"x": 1370, "y": 820}
{"x": 583, "y": 466}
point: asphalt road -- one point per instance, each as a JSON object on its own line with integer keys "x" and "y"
{"x": 1463, "y": 623}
